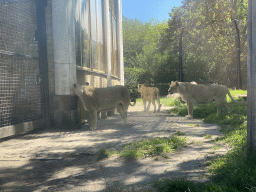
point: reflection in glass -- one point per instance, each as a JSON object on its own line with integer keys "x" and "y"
{"x": 77, "y": 8}
{"x": 100, "y": 58}
{"x": 114, "y": 49}
{"x": 110, "y": 16}
{"x": 94, "y": 34}
{"x": 89, "y": 35}
{"x": 81, "y": 33}
{"x": 85, "y": 33}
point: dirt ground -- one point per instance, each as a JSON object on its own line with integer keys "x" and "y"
{"x": 54, "y": 160}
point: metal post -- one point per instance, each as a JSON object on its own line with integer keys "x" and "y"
{"x": 180, "y": 57}
{"x": 42, "y": 50}
{"x": 107, "y": 36}
{"x": 251, "y": 81}
{"x": 239, "y": 82}
{"x": 120, "y": 41}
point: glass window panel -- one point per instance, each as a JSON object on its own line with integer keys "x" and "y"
{"x": 114, "y": 48}
{"x": 110, "y": 16}
{"x": 100, "y": 57}
{"x": 94, "y": 34}
{"x": 82, "y": 32}
{"x": 85, "y": 41}
{"x": 77, "y": 16}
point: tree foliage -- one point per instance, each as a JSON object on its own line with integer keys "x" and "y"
{"x": 209, "y": 49}
{"x": 142, "y": 59}
{"x": 151, "y": 49}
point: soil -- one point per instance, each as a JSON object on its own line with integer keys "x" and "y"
{"x": 66, "y": 160}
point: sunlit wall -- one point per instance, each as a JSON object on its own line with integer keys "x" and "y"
{"x": 92, "y": 57}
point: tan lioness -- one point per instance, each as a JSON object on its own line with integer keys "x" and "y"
{"x": 96, "y": 100}
{"x": 149, "y": 94}
{"x": 191, "y": 93}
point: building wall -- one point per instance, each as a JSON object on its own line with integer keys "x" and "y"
{"x": 24, "y": 82}
{"x": 96, "y": 62}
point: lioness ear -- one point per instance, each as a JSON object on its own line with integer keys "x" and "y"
{"x": 173, "y": 82}
{"x": 88, "y": 91}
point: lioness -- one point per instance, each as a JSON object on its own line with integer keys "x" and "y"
{"x": 200, "y": 93}
{"x": 96, "y": 100}
{"x": 149, "y": 94}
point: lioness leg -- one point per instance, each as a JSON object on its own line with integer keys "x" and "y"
{"x": 159, "y": 105}
{"x": 190, "y": 106}
{"x": 220, "y": 105}
{"x": 93, "y": 119}
{"x": 227, "y": 107}
{"x": 122, "y": 112}
{"x": 153, "y": 103}
{"x": 149, "y": 103}
{"x": 144, "y": 104}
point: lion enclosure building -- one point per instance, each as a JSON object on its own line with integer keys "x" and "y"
{"x": 46, "y": 46}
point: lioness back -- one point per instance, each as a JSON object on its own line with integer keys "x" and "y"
{"x": 202, "y": 93}
{"x": 111, "y": 96}
{"x": 96, "y": 100}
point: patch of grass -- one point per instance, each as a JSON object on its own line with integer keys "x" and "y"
{"x": 105, "y": 153}
{"x": 170, "y": 101}
{"x": 180, "y": 110}
{"x": 116, "y": 186}
{"x": 208, "y": 136}
{"x": 218, "y": 139}
{"x": 139, "y": 101}
{"x": 196, "y": 142}
{"x": 233, "y": 171}
{"x": 216, "y": 147}
{"x": 162, "y": 132}
{"x": 176, "y": 185}
{"x": 152, "y": 147}
{"x": 164, "y": 101}
{"x": 194, "y": 125}
{"x": 165, "y": 156}
{"x": 179, "y": 133}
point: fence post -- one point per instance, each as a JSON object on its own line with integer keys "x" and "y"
{"x": 239, "y": 82}
{"x": 43, "y": 62}
{"x": 251, "y": 81}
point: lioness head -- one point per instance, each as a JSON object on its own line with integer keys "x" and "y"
{"x": 80, "y": 89}
{"x": 140, "y": 86}
{"x": 174, "y": 87}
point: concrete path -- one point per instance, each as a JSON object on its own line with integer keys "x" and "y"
{"x": 67, "y": 160}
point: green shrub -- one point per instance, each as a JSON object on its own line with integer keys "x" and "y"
{"x": 176, "y": 185}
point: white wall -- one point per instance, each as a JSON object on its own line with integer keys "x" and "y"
{"x": 64, "y": 47}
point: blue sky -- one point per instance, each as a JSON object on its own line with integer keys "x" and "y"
{"x": 145, "y": 10}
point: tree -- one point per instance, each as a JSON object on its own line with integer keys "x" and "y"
{"x": 209, "y": 39}
{"x": 142, "y": 58}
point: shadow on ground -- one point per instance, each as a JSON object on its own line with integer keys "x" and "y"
{"x": 67, "y": 161}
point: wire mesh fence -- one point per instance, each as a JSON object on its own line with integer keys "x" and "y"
{"x": 20, "y": 98}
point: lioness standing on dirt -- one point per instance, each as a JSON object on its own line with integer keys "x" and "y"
{"x": 191, "y": 93}
{"x": 149, "y": 94}
{"x": 96, "y": 100}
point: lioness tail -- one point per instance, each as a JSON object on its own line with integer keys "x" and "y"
{"x": 234, "y": 99}
{"x": 134, "y": 102}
